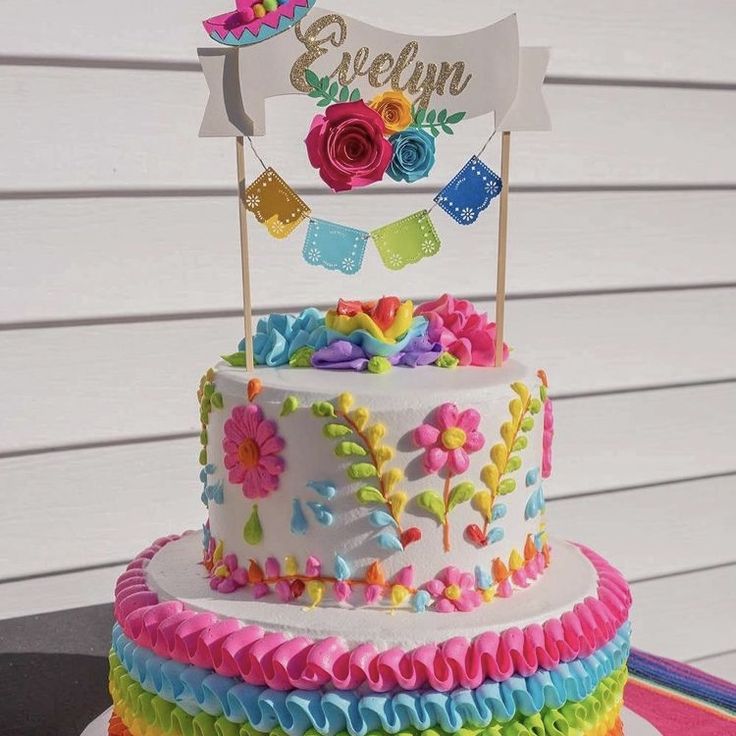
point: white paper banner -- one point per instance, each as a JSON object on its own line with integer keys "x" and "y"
{"x": 476, "y": 73}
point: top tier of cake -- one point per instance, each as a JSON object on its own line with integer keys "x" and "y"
{"x": 418, "y": 488}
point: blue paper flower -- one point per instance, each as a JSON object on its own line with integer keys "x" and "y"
{"x": 414, "y": 155}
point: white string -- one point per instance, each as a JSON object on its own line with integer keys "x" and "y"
{"x": 257, "y": 155}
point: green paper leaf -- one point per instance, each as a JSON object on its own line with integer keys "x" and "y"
{"x": 507, "y": 486}
{"x": 447, "y": 129}
{"x": 236, "y": 360}
{"x": 312, "y": 79}
{"x": 369, "y": 495}
{"x": 355, "y": 95}
{"x": 435, "y": 131}
{"x": 430, "y": 501}
{"x": 344, "y": 94}
{"x": 513, "y": 464}
{"x": 253, "y": 531}
{"x": 420, "y": 116}
{"x": 361, "y": 471}
{"x": 326, "y": 102}
{"x": 332, "y": 92}
{"x": 431, "y": 117}
{"x": 461, "y": 493}
{"x": 527, "y": 425}
{"x": 324, "y": 83}
{"x": 335, "y": 431}
{"x": 350, "y": 449}
{"x": 520, "y": 444}
{"x": 442, "y": 116}
{"x": 217, "y": 401}
{"x": 456, "y": 118}
{"x": 316, "y": 93}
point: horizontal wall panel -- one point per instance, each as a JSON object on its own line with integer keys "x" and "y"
{"x": 720, "y": 665}
{"x": 95, "y": 507}
{"x": 125, "y": 128}
{"x": 687, "y": 616}
{"x": 58, "y": 592}
{"x": 658, "y": 530}
{"x": 652, "y": 40}
{"x": 586, "y": 344}
{"x": 131, "y": 256}
{"x": 70, "y": 507}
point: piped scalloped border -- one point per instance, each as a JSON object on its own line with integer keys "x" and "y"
{"x": 233, "y": 649}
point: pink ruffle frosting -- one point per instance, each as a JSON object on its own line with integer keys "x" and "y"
{"x": 231, "y": 649}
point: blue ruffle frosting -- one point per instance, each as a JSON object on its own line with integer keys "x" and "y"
{"x": 331, "y": 712}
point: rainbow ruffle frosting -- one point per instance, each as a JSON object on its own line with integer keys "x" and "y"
{"x": 174, "y": 670}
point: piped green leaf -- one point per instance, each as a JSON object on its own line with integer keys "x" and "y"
{"x": 461, "y": 493}
{"x": 203, "y": 438}
{"x": 350, "y": 449}
{"x": 237, "y": 360}
{"x": 361, "y": 471}
{"x": 217, "y": 401}
{"x": 290, "y": 405}
{"x": 506, "y": 486}
{"x": 535, "y": 406}
{"x": 527, "y": 425}
{"x": 431, "y": 502}
{"x": 369, "y": 495}
{"x": 520, "y": 444}
{"x": 334, "y": 431}
{"x": 323, "y": 409}
{"x": 253, "y": 530}
{"x": 513, "y": 464}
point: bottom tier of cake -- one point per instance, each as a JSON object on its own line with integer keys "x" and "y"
{"x": 551, "y": 660}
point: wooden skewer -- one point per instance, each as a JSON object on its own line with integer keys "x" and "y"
{"x": 503, "y": 231}
{"x": 245, "y": 257}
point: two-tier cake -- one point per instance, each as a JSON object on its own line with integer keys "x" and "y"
{"x": 375, "y": 558}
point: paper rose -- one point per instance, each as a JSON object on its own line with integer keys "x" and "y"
{"x": 395, "y": 109}
{"x": 414, "y": 155}
{"x": 455, "y": 324}
{"x": 252, "y": 446}
{"x": 348, "y": 146}
{"x": 449, "y": 439}
{"x": 454, "y": 591}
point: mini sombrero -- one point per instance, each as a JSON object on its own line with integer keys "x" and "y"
{"x": 254, "y": 21}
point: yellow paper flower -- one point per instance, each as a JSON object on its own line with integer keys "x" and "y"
{"x": 395, "y": 109}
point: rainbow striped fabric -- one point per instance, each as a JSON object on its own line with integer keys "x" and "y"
{"x": 679, "y": 700}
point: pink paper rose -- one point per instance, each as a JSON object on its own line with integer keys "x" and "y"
{"x": 348, "y": 146}
{"x": 469, "y": 336}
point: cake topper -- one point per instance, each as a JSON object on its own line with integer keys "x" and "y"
{"x": 387, "y": 97}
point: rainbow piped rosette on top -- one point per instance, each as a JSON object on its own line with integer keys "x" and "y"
{"x": 254, "y": 21}
{"x": 376, "y": 336}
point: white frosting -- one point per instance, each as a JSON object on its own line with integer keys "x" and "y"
{"x": 402, "y": 400}
{"x": 174, "y": 573}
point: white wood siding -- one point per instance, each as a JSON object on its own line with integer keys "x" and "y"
{"x": 120, "y": 284}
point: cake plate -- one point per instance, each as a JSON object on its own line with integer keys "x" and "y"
{"x": 633, "y": 725}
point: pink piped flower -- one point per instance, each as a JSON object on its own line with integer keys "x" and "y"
{"x": 547, "y": 437}
{"x": 251, "y": 447}
{"x": 461, "y": 330}
{"x": 454, "y": 591}
{"x": 449, "y": 439}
